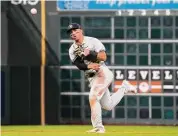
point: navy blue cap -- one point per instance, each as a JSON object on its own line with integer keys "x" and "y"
{"x": 73, "y": 26}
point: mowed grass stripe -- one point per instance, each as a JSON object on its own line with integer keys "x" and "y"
{"x": 73, "y": 130}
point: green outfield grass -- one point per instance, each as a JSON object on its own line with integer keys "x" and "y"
{"x": 79, "y": 130}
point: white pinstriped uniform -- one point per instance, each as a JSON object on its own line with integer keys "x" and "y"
{"x": 98, "y": 83}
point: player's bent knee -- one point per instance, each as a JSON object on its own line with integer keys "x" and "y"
{"x": 92, "y": 97}
{"x": 109, "y": 108}
{"x": 92, "y": 101}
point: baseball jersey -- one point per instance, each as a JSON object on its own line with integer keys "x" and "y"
{"x": 89, "y": 43}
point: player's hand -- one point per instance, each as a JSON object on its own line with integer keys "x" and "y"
{"x": 94, "y": 66}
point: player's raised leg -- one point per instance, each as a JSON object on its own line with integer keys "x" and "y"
{"x": 99, "y": 94}
{"x": 108, "y": 101}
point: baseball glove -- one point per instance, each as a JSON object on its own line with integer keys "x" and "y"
{"x": 79, "y": 52}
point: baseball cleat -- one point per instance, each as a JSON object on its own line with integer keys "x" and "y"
{"x": 129, "y": 87}
{"x": 101, "y": 131}
{"x": 96, "y": 130}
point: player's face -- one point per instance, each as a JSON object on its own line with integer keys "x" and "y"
{"x": 76, "y": 34}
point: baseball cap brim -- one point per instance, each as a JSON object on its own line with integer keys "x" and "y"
{"x": 73, "y": 26}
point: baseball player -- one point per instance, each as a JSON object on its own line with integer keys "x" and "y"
{"x": 88, "y": 54}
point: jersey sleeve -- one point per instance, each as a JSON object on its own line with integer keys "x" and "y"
{"x": 99, "y": 46}
{"x": 71, "y": 54}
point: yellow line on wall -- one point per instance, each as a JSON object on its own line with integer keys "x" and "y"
{"x": 43, "y": 59}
